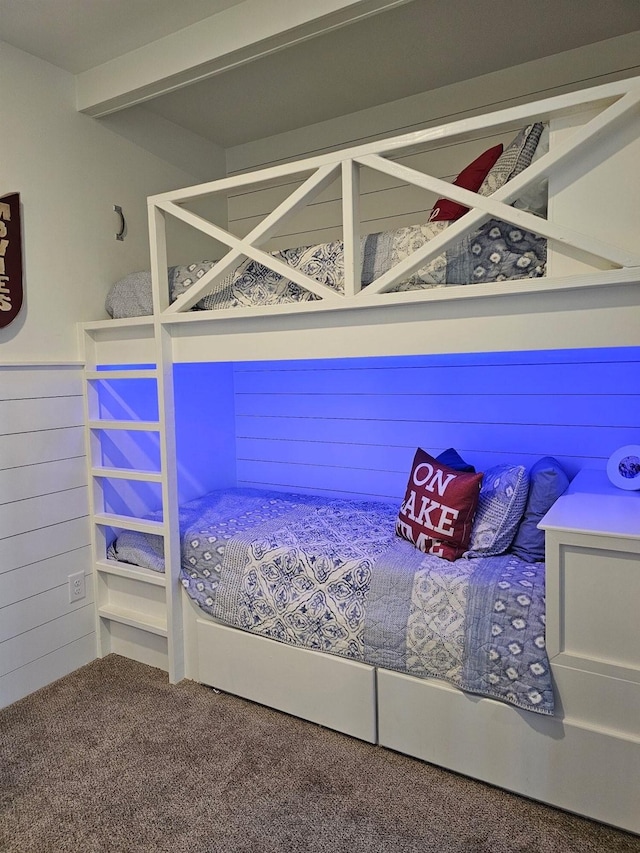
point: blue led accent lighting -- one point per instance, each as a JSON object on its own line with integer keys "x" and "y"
{"x": 561, "y": 356}
{"x": 350, "y": 426}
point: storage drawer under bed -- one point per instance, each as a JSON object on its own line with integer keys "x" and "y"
{"x": 322, "y": 688}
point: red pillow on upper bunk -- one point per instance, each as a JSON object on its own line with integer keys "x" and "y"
{"x": 438, "y": 508}
{"x": 470, "y": 178}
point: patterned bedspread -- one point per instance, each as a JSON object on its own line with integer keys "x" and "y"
{"x": 495, "y": 252}
{"x": 331, "y": 575}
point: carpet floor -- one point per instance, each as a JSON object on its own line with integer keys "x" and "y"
{"x": 114, "y": 758}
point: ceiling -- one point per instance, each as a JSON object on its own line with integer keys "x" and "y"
{"x": 411, "y": 48}
{"x": 80, "y": 34}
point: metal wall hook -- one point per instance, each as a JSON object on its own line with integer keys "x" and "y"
{"x": 120, "y": 235}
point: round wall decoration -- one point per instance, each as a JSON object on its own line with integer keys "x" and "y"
{"x": 623, "y": 467}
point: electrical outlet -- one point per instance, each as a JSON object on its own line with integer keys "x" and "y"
{"x": 76, "y": 587}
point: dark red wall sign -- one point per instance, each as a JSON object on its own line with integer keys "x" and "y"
{"x": 10, "y": 258}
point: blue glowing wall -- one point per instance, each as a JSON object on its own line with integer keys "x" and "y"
{"x": 350, "y": 426}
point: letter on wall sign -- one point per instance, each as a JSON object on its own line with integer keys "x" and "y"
{"x": 11, "y": 290}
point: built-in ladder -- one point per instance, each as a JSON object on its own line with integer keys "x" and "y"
{"x": 135, "y": 612}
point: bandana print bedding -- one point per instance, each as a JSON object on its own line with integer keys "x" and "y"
{"x": 332, "y": 576}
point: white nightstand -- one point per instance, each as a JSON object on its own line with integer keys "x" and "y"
{"x": 593, "y": 599}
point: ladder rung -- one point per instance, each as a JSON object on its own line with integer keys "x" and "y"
{"x": 128, "y": 474}
{"x": 106, "y": 375}
{"x": 136, "y": 426}
{"x": 125, "y": 570}
{"x": 126, "y": 522}
{"x": 133, "y": 618}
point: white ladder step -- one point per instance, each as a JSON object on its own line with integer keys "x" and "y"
{"x": 126, "y": 522}
{"x": 148, "y": 426}
{"x": 126, "y": 570}
{"x": 128, "y": 474}
{"x": 106, "y": 375}
{"x": 133, "y": 618}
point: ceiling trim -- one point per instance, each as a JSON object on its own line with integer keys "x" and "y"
{"x": 235, "y": 36}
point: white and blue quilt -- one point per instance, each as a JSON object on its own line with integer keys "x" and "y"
{"x": 332, "y": 576}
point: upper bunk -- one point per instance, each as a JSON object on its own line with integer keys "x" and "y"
{"x": 578, "y": 281}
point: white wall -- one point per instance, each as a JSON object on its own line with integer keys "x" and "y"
{"x": 44, "y": 530}
{"x": 70, "y": 171}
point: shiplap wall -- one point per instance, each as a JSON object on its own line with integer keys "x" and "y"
{"x": 350, "y": 427}
{"x": 386, "y": 204}
{"x": 44, "y": 529}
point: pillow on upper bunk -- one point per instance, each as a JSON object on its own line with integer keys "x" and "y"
{"x": 498, "y": 251}
{"x": 130, "y": 296}
{"x": 438, "y": 508}
{"x": 501, "y": 506}
{"x": 535, "y": 198}
{"x": 548, "y": 482}
{"x": 516, "y": 157}
{"x": 506, "y": 165}
{"x": 470, "y": 178}
{"x": 183, "y": 276}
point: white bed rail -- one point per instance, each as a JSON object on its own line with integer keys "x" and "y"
{"x": 617, "y": 103}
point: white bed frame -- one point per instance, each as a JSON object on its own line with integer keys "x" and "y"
{"x": 587, "y": 758}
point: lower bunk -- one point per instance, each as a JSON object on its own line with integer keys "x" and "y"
{"x": 320, "y": 609}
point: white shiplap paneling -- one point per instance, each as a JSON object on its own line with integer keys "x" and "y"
{"x": 44, "y": 530}
{"x": 351, "y": 427}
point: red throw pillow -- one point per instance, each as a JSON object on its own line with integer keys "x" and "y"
{"x": 438, "y": 508}
{"x": 470, "y": 178}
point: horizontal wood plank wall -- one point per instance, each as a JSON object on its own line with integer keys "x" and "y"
{"x": 385, "y": 203}
{"x": 351, "y": 427}
{"x": 44, "y": 529}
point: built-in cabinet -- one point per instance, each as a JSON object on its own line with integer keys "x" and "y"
{"x": 592, "y": 536}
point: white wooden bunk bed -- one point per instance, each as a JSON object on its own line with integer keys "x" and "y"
{"x": 586, "y": 756}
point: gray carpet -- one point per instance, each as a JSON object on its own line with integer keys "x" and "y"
{"x": 113, "y": 758}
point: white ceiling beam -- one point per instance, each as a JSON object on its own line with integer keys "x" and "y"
{"x": 237, "y": 35}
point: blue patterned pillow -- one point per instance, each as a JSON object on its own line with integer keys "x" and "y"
{"x": 501, "y": 504}
{"x": 548, "y": 482}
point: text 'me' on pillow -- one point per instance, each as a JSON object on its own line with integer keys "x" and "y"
{"x": 437, "y": 512}
{"x": 470, "y": 178}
